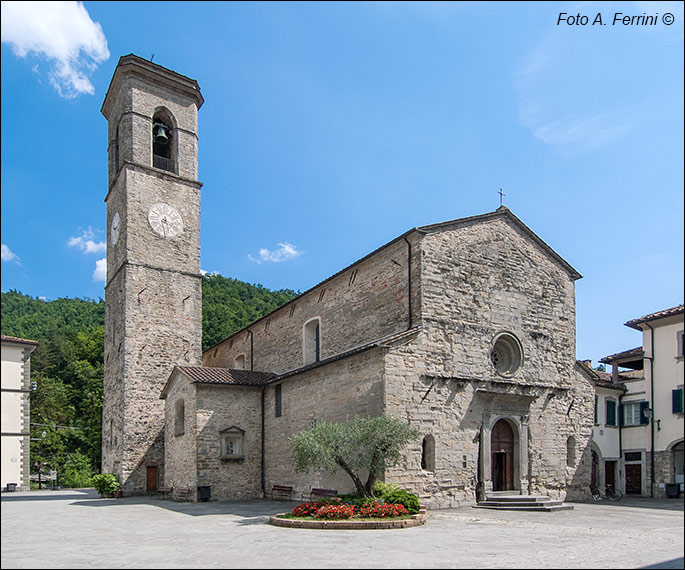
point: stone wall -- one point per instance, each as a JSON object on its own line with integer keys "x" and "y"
{"x": 220, "y": 407}
{"x": 483, "y": 278}
{"x": 333, "y": 392}
{"x": 363, "y": 303}
{"x": 180, "y": 449}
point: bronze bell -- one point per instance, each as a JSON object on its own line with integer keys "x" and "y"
{"x": 161, "y": 136}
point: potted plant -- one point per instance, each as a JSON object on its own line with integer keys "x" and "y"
{"x": 107, "y": 485}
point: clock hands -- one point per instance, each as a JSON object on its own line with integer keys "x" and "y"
{"x": 165, "y": 226}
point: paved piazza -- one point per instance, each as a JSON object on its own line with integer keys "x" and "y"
{"x": 77, "y": 529}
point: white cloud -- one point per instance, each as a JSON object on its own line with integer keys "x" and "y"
{"x": 63, "y": 34}
{"x": 86, "y": 243}
{"x": 284, "y": 252}
{"x": 100, "y": 273}
{"x": 9, "y": 255}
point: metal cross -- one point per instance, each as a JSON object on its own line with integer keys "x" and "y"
{"x": 501, "y": 194}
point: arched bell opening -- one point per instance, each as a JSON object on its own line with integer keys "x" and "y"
{"x": 164, "y": 141}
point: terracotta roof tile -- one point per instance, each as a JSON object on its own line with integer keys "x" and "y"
{"x": 636, "y": 352}
{"x": 6, "y": 338}
{"x": 658, "y": 315}
{"x": 207, "y": 375}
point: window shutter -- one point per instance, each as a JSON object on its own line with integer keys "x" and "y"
{"x": 611, "y": 413}
{"x": 677, "y": 396}
{"x": 620, "y": 415}
{"x": 644, "y": 420}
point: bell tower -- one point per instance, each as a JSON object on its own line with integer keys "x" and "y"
{"x": 153, "y": 292}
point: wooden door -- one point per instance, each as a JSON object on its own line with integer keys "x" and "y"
{"x": 634, "y": 479}
{"x": 502, "y": 446}
{"x": 152, "y": 478}
{"x": 610, "y": 474}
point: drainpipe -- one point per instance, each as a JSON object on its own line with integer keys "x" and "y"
{"x": 653, "y": 406}
{"x": 262, "y": 480}
{"x": 409, "y": 281}
{"x": 251, "y": 350}
{"x": 622, "y": 466}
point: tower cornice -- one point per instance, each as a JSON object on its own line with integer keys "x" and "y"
{"x": 131, "y": 65}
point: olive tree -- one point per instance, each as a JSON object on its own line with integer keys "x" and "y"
{"x": 355, "y": 446}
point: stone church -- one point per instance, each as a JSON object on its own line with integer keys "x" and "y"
{"x": 464, "y": 329}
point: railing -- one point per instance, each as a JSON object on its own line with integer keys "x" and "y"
{"x": 162, "y": 163}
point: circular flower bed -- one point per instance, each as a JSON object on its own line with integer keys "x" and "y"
{"x": 325, "y": 514}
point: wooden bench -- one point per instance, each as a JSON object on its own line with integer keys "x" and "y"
{"x": 320, "y": 493}
{"x": 281, "y": 492}
{"x": 164, "y": 491}
{"x": 184, "y": 492}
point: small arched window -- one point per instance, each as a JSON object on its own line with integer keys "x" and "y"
{"x": 239, "y": 362}
{"x": 180, "y": 419}
{"x": 571, "y": 451}
{"x": 164, "y": 144}
{"x": 312, "y": 341}
{"x": 428, "y": 453}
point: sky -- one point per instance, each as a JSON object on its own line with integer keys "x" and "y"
{"x": 329, "y": 129}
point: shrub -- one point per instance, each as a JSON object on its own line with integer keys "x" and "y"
{"x": 381, "y": 489}
{"x": 355, "y": 499}
{"x": 106, "y": 483}
{"x": 404, "y": 497}
{"x": 386, "y": 510}
{"x": 332, "y": 511}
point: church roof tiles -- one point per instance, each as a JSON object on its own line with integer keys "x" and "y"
{"x": 207, "y": 375}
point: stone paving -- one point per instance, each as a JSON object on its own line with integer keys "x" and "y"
{"x": 77, "y": 529}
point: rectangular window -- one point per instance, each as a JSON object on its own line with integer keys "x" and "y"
{"x": 633, "y": 456}
{"x": 611, "y": 413}
{"x": 681, "y": 344}
{"x": 677, "y": 401}
{"x": 631, "y": 414}
{"x": 278, "y": 400}
{"x": 634, "y": 414}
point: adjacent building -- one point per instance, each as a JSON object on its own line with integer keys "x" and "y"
{"x": 16, "y": 411}
{"x": 650, "y": 413}
{"x": 605, "y": 444}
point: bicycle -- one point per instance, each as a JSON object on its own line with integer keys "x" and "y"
{"x": 610, "y": 493}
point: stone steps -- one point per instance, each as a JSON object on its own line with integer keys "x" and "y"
{"x": 509, "y": 502}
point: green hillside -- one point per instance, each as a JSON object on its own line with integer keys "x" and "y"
{"x": 68, "y": 364}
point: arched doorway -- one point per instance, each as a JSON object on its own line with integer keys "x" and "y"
{"x": 502, "y": 449}
{"x": 594, "y": 474}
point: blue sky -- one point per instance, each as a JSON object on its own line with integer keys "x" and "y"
{"x": 329, "y": 129}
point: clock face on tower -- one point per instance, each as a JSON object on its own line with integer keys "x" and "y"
{"x": 116, "y": 226}
{"x": 164, "y": 220}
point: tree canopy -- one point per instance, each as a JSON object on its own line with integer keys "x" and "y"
{"x": 357, "y": 445}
